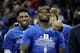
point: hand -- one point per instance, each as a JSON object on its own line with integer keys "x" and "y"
{"x": 57, "y": 25}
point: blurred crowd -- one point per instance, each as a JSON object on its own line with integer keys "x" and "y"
{"x": 69, "y": 10}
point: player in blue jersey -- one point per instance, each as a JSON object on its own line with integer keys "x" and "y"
{"x": 65, "y": 29}
{"x": 58, "y": 25}
{"x": 41, "y": 39}
{"x": 14, "y": 35}
{"x": 3, "y": 31}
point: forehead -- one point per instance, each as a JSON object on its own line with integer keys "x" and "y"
{"x": 23, "y": 13}
{"x": 43, "y": 10}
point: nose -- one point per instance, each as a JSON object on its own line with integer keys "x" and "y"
{"x": 44, "y": 13}
{"x": 25, "y": 19}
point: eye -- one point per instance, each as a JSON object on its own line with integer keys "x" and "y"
{"x": 26, "y": 16}
{"x": 21, "y": 17}
{"x": 44, "y": 12}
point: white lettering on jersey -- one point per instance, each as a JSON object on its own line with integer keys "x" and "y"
{"x": 45, "y": 41}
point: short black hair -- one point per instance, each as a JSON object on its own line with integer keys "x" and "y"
{"x": 16, "y": 2}
{"x": 22, "y": 10}
{"x": 43, "y": 9}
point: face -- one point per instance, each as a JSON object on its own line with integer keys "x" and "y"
{"x": 16, "y": 7}
{"x": 23, "y": 18}
{"x": 43, "y": 15}
{"x": 28, "y": 3}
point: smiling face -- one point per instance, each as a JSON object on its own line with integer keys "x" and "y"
{"x": 44, "y": 15}
{"x": 23, "y": 18}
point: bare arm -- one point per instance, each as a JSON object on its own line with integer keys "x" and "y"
{"x": 62, "y": 50}
{"x": 23, "y": 48}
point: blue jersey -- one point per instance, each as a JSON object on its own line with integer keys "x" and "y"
{"x": 3, "y": 31}
{"x": 43, "y": 41}
{"x": 66, "y": 29}
{"x": 13, "y": 39}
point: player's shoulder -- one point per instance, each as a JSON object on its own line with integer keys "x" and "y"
{"x": 10, "y": 32}
{"x": 75, "y": 30}
{"x": 77, "y": 27}
{"x": 35, "y": 27}
{"x": 65, "y": 25}
{"x": 32, "y": 28}
{"x": 13, "y": 29}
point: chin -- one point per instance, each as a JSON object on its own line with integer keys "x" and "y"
{"x": 44, "y": 20}
{"x": 24, "y": 25}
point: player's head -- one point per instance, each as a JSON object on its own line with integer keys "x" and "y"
{"x": 23, "y": 17}
{"x": 43, "y": 14}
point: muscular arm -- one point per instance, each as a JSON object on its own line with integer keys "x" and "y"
{"x": 23, "y": 48}
{"x": 25, "y": 42}
{"x": 62, "y": 50}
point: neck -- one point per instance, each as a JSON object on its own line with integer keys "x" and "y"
{"x": 44, "y": 25}
{"x": 23, "y": 27}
